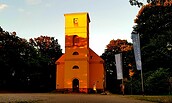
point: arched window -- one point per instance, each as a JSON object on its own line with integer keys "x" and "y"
{"x": 75, "y": 53}
{"x": 75, "y": 67}
{"x": 75, "y": 40}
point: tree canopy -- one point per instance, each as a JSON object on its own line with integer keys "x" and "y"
{"x": 115, "y": 47}
{"x": 154, "y": 25}
{"x": 27, "y": 65}
{"x": 139, "y": 3}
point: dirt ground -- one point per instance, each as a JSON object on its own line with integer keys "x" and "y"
{"x": 64, "y": 98}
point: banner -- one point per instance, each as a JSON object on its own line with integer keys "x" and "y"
{"x": 118, "y": 60}
{"x": 137, "y": 53}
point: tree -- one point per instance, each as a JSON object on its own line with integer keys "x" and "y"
{"x": 157, "y": 82}
{"x": 139, "y": 3}
{"x": 49, "y": 51}
{"x": 115, "y": 47}
{"x": 136, "y": 3}
{"x": 47, "y": 46}
{"x": 16, "y": 60}
{"x": 153, "y": 24}
{"x": 28, "y": 65}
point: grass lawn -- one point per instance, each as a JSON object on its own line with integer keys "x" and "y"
{"x": 157, "y": 99}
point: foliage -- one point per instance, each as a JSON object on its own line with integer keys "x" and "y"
{"x": 133, "y": 85}
{"x": 17, "y": 59}
{"x": 115, "y": 47}
{"x": 47, "y": 46}
{"x": 154, "y": 27}
{"x": 49, "y": 51}
{"x": 139, "y": 3}
{"x": 157, "y": 82}
{"x": 136, "y": 3}
{"x": 25, "y": 66}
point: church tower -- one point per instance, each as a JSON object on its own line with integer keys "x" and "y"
{"x": 77, "y": 50}
{"x": 74, "y": 73}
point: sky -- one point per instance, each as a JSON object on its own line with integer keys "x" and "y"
{"x": 110, "y": 19}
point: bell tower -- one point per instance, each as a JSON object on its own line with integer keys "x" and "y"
{"x": 76, "y": 51}
{"x": 79, "y": 69}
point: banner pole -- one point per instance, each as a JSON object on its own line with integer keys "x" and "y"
{"x": 142, "y": 82}
{"x": 141, "y": 68}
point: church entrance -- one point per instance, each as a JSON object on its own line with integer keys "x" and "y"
{"x": 75, "y": 85}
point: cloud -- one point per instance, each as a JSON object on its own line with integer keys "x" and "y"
{"x": 3, "y": 6}
{"x": 33, "y": 2}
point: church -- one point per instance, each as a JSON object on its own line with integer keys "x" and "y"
{"x": 79, "y": 69}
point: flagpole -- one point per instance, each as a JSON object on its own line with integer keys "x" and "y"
{"x": 137, "y": 52}
{"x": 123, "y": 86}
{"x": 119, "y": 70}
{"x": 142, "y": 82}
{"x": 141, "y": 68}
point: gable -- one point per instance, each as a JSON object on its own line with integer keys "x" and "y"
{"x": 94, "y": 58}
{"x": 60, "y": 60}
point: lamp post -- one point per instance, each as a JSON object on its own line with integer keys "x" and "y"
{"x": 169, "y": 48}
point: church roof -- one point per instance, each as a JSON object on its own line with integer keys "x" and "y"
{"x": 61, "y": 59}
{"x": 94, "y": 58}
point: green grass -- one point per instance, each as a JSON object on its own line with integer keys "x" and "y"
{"x": 157, "y": 99}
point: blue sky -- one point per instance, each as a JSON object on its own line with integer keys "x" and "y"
{"x": 110, "y": 19}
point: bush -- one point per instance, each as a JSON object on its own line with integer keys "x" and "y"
{"x": 157, "y": 82}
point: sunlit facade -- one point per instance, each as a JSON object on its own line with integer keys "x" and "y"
{"x": 80, "y": 68}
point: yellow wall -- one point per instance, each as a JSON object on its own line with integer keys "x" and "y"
{"x": 96, "y": 75}
{"x": 81, "y": 74}
{"x": 96, "y": 70}
{"x": 80, "y": 30}
{"x": 60, "y": 76}
{"x": 83, "y": 54}
{"x": 77, "y": 40}
{"x": 82, "y": 23}
{"x": 60, "y": 73}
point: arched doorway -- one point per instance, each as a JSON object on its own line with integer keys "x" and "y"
{"x": 75, "y": 85}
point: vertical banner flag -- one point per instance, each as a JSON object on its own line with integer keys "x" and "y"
{"x": 137, "y": 53}
{"x": 118, "y": 60}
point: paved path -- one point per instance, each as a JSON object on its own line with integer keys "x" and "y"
{"x": 65, "y": 98}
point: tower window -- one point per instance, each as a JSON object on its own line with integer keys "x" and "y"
{"x": 75, "y": 53}
{"x": 75, "y": 40}
{"x": 75, "y": 67}
{"x": 75, "y": 22}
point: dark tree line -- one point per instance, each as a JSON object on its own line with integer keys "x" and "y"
{"x": 27, "y": 66}
{"x": 154, "y": 25}
{"x": 113, "y": 48}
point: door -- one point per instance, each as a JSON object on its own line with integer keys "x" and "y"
{"x": 75, "y": 85}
